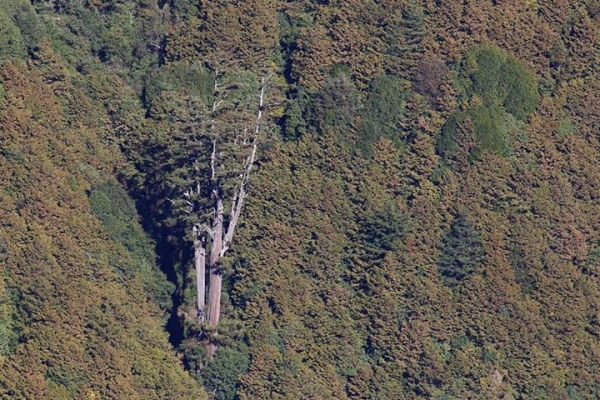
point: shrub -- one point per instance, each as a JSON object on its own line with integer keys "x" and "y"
{"x": 382, "y": 229}
{"x": 193, "y": 80}
{"x": 450, "y": 138}
{"x": 222, "y": 375}
{"x": 509, "y": 94}
{"x": 8, "y": 332}
{"x": 501, "y": 80}
{"x": 336, "y": 105}
{"x": 484, "y": 67}
{"x": 490, "y": 133}
{"x": 385, "y": 112}
{"x": 30, "y": 26}
{"x": 522, "y": 94}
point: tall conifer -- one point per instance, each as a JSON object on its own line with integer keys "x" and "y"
{"x": 462, "y": 251}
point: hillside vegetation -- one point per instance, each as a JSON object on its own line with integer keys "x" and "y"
{"x": 422, "y": 214}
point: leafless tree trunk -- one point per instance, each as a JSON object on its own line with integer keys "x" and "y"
{"x": 200, "y": 265}
{"x": 215, "y": 270}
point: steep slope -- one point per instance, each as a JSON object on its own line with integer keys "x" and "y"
{"x": 422, "y": 219}
{"x": 80, "y": 308}
{"x": 435, "y": 240}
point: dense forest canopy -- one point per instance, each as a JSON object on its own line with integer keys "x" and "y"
{"x": 270, "y": 199}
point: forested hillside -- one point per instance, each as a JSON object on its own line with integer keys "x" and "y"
{"x": 82, "y": 299}
{"x": 269, "y": 199}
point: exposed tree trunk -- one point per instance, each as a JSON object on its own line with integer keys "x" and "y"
{"x": 200, "y": 264}
{"x": 216, "y": 278}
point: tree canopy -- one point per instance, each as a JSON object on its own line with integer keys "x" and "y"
{"x": 420, "y": 199}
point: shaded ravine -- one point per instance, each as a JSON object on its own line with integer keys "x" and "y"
{"x": 169, "y": 256}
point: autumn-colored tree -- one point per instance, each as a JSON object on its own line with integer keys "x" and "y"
{"x": 352, "y": 272}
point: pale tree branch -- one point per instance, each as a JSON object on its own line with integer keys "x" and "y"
{"x": 203, "y": 228}
{"x": 240, "y": 197}
{"x": 212, "y": 160}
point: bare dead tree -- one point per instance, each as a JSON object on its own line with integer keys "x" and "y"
{"x": 201, "y": 230}
{"x": 217, "y": 230}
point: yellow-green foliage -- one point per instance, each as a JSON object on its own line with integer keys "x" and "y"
{"x": 113, "y": 207}
{"x": 500, "y": 92}
{"x": 12, "y": 44}
{"x": 500, "y": 79}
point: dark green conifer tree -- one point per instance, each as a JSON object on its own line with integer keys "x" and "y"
{"x": 404, "y": 39}
{"x": 385, "y": 113}
{"x": 382, "y": 230}
{"x": 462, "y": 251}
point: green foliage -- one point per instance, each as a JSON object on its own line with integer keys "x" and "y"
{"x": 8, "y": 333}
{"x": 573, "y": 393}
{"x": 522, "y": 96}
{"x": 289, "y": 30}
{"x": 489, "y": 356}
{"x": 125, "y": 36}
{"x": 509, "y": 94}
{"x": 337, "y": 103}
{"x": 117, "y": 36}
{"x": 295, "y": 115}
{"x": 77, "y": 315}
{"x": 385, "y": 113}
{"x": 522, "y": 270}
{"x": 383, "y": 229}
{"x": 559, "y": 55}
{"x": 308, "y": 233}
{"x": 110, "y": 203}
{"x": 565, "y": 127}
{"x": 490, "y": 132}
{"x": 500, "y": 80}
{"x": 29, "y": 24}
{"x": 65, "y": 380}
{"x": 462, "y": 252}
{"x": 183, "y": 10}
{"x": 403, "y": 37}
{"x": 188, "y": 80}
{"x": 11, "y": 41}
{"x": 593, "y": 258}
{"x": 414, "y": 18}
{"x": 221, "y": 377}
{"x": 480, "y": 129}
{"x": 452, "y": 132}
{"x": 3, "y": 250}
{"x": 484, "y": 67}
